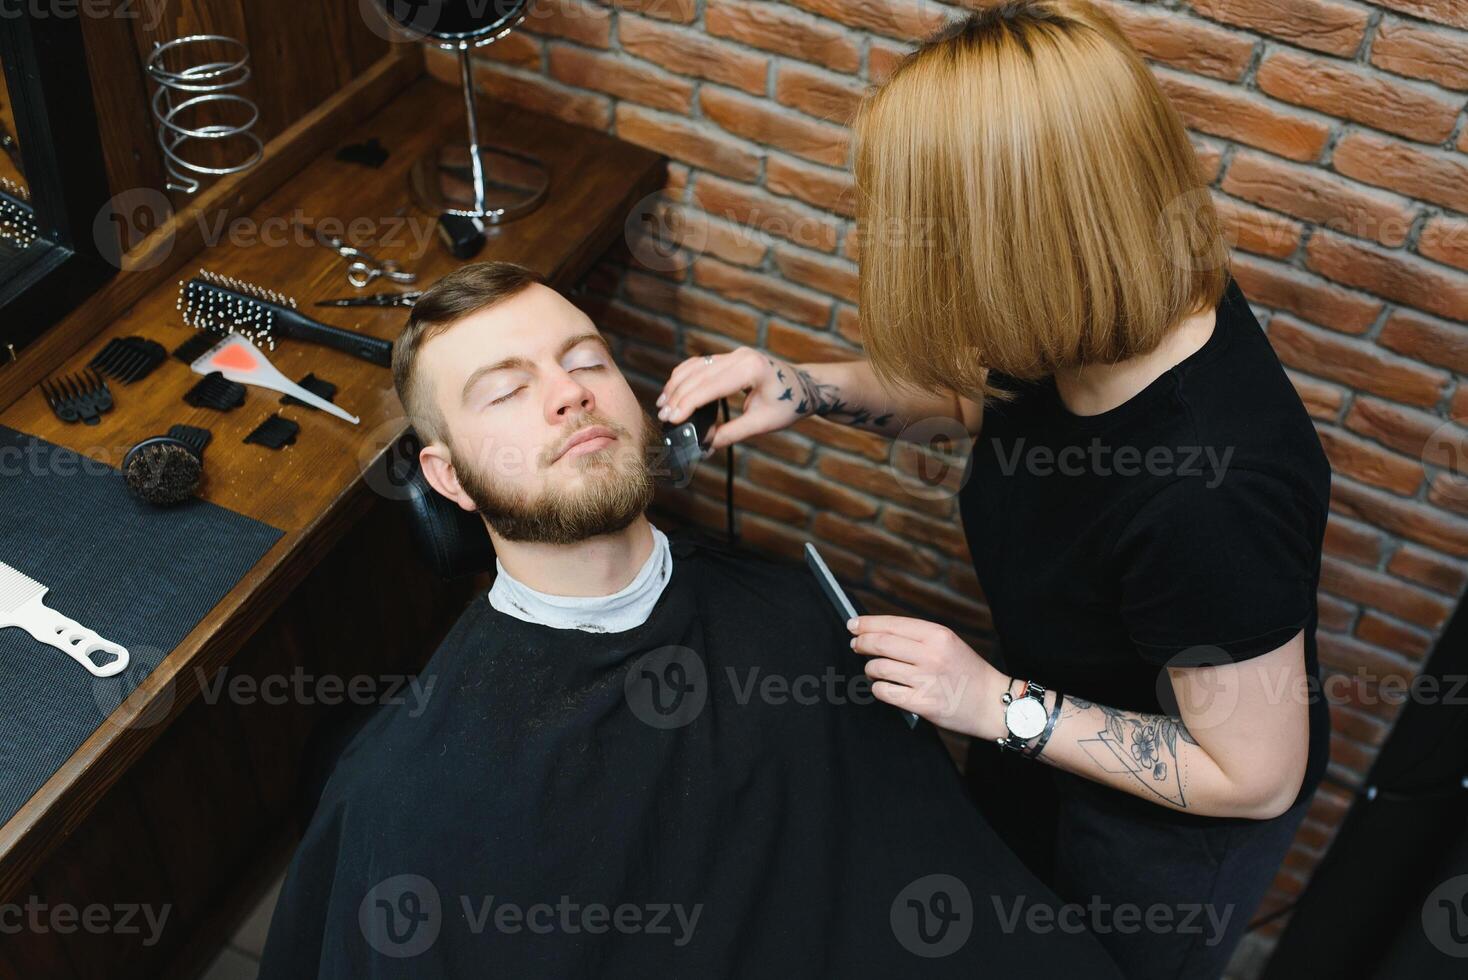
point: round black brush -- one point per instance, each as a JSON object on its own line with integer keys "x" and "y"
{"x": 167, "y": 469}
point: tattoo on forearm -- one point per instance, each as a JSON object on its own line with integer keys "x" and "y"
{"x": 1144, "y": 746}
{"x": 814, "y": 398}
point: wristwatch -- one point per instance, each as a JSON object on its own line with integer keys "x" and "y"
{"x": 1024, "y": 716}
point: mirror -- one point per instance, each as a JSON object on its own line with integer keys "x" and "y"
{"x": 53, "y": 182}
{"x": 453, "y": 23}
{"x": 17, "y": 218}
{"x": 480, "y": 179}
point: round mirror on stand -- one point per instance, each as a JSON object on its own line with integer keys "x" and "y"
{"x": 477, "y": 179}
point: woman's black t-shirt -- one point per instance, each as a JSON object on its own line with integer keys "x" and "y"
{"x": 1181, "y": 528}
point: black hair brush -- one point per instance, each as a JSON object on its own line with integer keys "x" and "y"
{"x": 17, "y": 218}
{"x": 167, "y": 469}
{"x": 224, "y": 305}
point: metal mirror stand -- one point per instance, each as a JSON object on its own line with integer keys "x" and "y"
{"x": 492, "y": 183}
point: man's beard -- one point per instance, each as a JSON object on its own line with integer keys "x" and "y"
{"x": 616, "y": 487}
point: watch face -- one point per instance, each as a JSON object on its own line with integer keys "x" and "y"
{"x": 1025, "y": 717}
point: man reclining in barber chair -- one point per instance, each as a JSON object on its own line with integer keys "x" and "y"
{"x": 639, "y": 759}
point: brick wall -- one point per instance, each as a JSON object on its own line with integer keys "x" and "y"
{"x": 1334, "y": 136}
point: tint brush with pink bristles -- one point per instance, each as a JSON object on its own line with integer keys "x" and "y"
{"x": 224, "y": 305}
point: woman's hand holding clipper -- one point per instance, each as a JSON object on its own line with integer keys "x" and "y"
{"x": 772, "y": 387}
{"x": 779, "y": 393}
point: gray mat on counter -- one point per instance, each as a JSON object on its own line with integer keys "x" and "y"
{"x": 139, "y": 575}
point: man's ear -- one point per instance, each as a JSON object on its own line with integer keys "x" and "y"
{"x": 439, "y": 471}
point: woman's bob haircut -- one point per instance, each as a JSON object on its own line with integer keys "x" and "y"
{"x": 1027, "y": 200}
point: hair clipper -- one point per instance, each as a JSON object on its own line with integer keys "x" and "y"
{"x": 683, "y": 445}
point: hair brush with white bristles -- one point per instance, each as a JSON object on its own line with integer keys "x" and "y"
{"x": 224, "y": 305}
{"x": 17, "y": 218}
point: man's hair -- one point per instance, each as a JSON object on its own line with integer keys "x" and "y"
{"x": 457, "y": 295}
{"x": 1027, "y": 199}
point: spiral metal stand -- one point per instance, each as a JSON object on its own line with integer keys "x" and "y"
{"x": 202, "y": 89}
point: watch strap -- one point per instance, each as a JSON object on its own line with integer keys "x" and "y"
{"x": 1039, "y": 746}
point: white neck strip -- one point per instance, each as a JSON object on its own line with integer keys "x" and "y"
{"x": 615, "y": 613}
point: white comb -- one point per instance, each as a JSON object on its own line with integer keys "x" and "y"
{"x": 239, "y": 360}
{"x": 21, "y": 605}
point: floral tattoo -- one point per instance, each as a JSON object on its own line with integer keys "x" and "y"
{"x": 1142, "y": 745}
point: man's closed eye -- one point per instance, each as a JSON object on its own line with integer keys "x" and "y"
{"x": 506, "y": 397}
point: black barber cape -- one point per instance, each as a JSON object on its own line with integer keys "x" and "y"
{"x": 713, "y": 793}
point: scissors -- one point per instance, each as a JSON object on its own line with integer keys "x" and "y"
{"x": 362, "y": 268}
{"x": 376, "y": 299}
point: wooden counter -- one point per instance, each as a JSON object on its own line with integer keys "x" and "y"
{"x": 314, "y": 490}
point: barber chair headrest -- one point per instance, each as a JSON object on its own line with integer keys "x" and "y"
{"x": 452, "y": 541}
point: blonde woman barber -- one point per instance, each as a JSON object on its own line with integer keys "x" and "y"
{"x": 1147, "y": 496}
